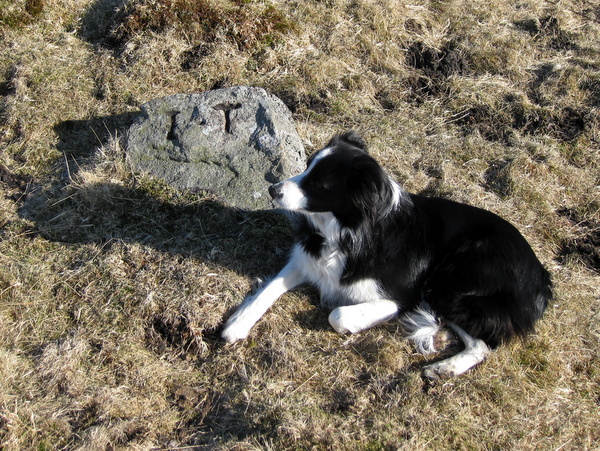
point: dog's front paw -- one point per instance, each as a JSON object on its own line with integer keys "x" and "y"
{"x": 233, "y": 333}
{"x": 342, "y": 321}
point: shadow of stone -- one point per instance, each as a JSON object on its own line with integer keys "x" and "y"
{"x": 81, "y": 138}
{"x": 192, "y": 224}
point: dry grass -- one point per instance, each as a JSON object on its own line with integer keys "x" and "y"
{"x": 113, "y": 286}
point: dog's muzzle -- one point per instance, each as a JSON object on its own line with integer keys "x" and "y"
{"x": 288, "y": 195}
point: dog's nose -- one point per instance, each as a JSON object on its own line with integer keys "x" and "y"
{"x": 275, "y": 190}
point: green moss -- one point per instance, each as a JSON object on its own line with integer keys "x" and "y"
{"x": 19, "y": 14}
{"x": 375, "y": 445}
{"x": 156, "y": 188}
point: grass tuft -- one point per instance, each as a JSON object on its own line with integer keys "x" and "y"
{"x": 246, "y": 23}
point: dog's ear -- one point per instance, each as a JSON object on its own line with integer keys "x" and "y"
{"x": 353, "y": 139}
{"x": 350, "y": 138}
{"x": 367, "y": 187}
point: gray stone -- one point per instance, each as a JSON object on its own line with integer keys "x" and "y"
{"x": 233, "y": 142}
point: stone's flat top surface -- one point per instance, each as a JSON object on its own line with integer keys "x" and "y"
{"x": 233, "y": 142}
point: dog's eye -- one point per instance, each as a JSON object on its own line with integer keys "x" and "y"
{"x": 324, "y": 185}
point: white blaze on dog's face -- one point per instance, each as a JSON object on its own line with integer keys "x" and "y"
{"x": 341, "y": 179}
{"x": 290, "y": 193}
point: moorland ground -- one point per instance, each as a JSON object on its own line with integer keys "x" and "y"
{"x": 113, "y": 286}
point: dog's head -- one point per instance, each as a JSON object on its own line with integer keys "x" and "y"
{"x": 342, "y": 178}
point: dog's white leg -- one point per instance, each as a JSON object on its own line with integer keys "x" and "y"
{"x": 354, "y": 318}
{"x": 474, "y": 353}
{"x": 255, "y": 306}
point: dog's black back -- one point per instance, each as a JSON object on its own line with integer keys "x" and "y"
{"x": 479, "y": 272}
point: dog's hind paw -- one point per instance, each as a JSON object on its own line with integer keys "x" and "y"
{"x": 438, "y": 372}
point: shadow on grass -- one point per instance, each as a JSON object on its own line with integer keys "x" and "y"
{"x": 72, "y": 208}
{"x": 99, "y": 21}
{"x": 79, "y": 139}
{"x": 146, "y": 211}
{"x": 106, "y": 213}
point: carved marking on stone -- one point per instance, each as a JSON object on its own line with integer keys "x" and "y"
{"x": 226, "y": 109}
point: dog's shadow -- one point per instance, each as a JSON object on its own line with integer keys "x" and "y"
{"x": 252, "y": 243}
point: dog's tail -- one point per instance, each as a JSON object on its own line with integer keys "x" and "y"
{"x": 426, "y": 330}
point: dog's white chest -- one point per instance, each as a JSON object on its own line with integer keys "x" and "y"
{"x": 325, "y": 272}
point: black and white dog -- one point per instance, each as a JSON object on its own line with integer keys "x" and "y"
{"x": 375, "y": 251}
